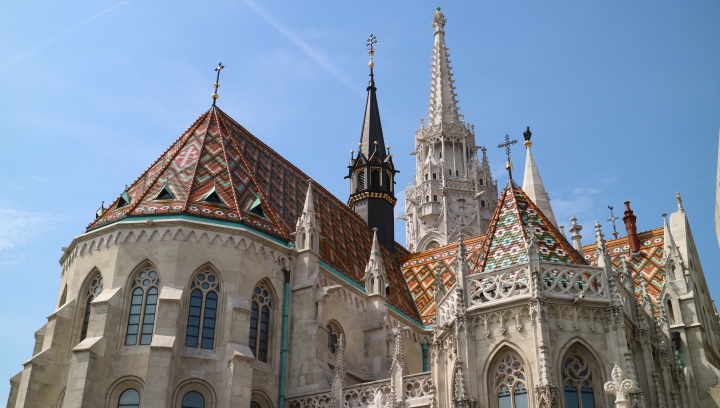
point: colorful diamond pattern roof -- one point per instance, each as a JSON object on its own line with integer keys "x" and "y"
{"x": 420, "y": 270}
{"x": 507, "y": 234}
{"x": 647, "y": 265}
{"x": 217, "y": 155}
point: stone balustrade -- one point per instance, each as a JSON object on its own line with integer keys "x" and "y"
{"x": 418, "y": 391}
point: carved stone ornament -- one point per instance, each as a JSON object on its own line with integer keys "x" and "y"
{"x": 620, "y": 387}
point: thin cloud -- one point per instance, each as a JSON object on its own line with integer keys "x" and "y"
{"x": 57, "y": 37}
{"x": 19, "y": 227}
{"x": 311, "y": 52}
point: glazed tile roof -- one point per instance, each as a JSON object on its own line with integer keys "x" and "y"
{"x": 420, "y": 270}
{"x": 647, "y": 265}
{"x": 507, "y": 232}
{"x": 218, "y": 170}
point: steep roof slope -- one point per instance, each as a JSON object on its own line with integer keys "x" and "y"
{"x": 646, "y": 265}
{"x": 219, "y": 170}
{"x": 508, "y": 229}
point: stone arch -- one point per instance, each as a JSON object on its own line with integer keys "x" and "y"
{"x": 196, "y": 385}
{"x": 61, "y": 399}
{"x": 333, "y": 330}
{"x": 427, "y": 240}
{"x": 508, "y": 376}
{"x": 121, "y": 385}
{"x": 578, "y": 351}
{"x": 261, "y": 399}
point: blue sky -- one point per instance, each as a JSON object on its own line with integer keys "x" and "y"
{"x": 623, "y": 99}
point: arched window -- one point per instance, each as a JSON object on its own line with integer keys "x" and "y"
{"x": 94, "y": 289}
{"x": 434, "y": 198}
{"x": 457, "y": 173}
{"x": 202, "y": 313}
{"x": 254, "y": 404}
{"x": 427, "y": 199}
{"x": 360, "y": 180}
{"x": 375, "y": 178}
{"x": 63, "y": 298}
{"x": 578, "y": 387}
{"x": 482, "y": 203}
{"x": 434, "y": 176}
{"x": 450, "y": 171}
{"x": 193, "y": 399}
{"x": 333, "y": 340}
{"x": 130, "y": 398}
{"x": 481, "y": 182}
{"x": 260, "y": 321}
{"x": 670, "y": 312}
{"x": 142, "y": 307}
{"x": 510, "y": 385}
{"x": 426, "y": 176}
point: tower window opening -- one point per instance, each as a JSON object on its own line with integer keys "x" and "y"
{"x": 426, "y": 176}
{"x": 457, "y": 173}
{"x": 434, "y": 176}
{"x": 482, "y": 203}
{"x": 481, "y": 182}
{"x": 375, "y": 178}
{"x": 427, "y": 199}
{"x": 434, "y": 198}
{"x": 361, "y": 180}
{"x": 450, "y": 171}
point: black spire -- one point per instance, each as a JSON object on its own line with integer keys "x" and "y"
{"x": 372, "y": 173}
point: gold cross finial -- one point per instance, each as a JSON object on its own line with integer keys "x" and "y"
{"x": 217, "y": 82}
{"x": 371, "y": 49}
{"x": 507, "y": 145}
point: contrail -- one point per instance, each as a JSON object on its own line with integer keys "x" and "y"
{"x": 26, "y": 53}
{"x": 307, "y": 49}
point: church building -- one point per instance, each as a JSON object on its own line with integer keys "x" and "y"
{"x": 224, "y": 276}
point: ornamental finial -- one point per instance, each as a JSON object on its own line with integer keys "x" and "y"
{"x": 217, "y": 82}
{"x": 507, "y": 145}
{"x": 371, "y": 49}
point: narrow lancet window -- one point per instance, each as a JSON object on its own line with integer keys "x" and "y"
{"x": 94, "y": 289}
{"x": 143, "y": 303}
{"x": 202, "y": 313}
{"x": 260, "y": 322}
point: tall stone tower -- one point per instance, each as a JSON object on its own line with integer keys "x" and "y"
{"x": 372, "y": 173}
{"x": 452, "y": 194}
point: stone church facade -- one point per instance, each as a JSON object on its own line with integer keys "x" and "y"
{"x": 224, "y": 277}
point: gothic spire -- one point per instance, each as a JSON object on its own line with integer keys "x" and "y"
{"x": 371, "y": 137}
{"x": 443, "y": 102}
{"x": 532, "y": 183}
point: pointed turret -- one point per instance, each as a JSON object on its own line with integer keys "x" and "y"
{"x": 372, "y": 173}
{"x": 443, "y": 100}
{"x": 307, "y": 229}
{"x": 532, "y": 183}
{"x": 375, "y": 277}
{"x": 452, "y": 194}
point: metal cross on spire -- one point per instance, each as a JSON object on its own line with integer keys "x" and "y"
{"x": 217, "y": 82}
{"x": 371, "y": 50}
{"x": 613, "y": 218}
{"x": 507, "y": 145}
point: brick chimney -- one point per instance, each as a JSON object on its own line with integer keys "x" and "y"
{"x": 631, "y": 228}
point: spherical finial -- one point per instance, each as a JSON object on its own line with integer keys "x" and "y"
{"x": 371, "y": 64}
{"x": 215, "y": 95}
{"x": 352, "y": 151}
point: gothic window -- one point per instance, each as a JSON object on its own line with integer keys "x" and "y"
{"x": 434, "y": 176}
{"x": 130, "y": 398}
{"x": 427, "y": 199}
{"x": 457, "y": 173}
{"x": 670, "y": 311}
{"x": 450, "y": 171}
{"x": 389, "y": 181}
{"x": 510, "y": 382}
{"x": 63, "y": 298}
{"x": 142, "y": 307}
{"x": 193, "y": 399}
{"x": 260, "y": 321}
{"x": 202, "y": 313}
{"x": 254, "y": 404}
{"x": 375, "y": 178}
{"x": 482, "y": 203}
{"x": 434, "y": 198}
{"x": 577, "y": 383}
{"x": 426, "y": 176}
{"x": 360, "y": 174}
{"x": 94, "y": 289}
{"x": 333, "y": 340}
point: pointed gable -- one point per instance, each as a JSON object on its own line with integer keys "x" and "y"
{"x": 507, "y": 234}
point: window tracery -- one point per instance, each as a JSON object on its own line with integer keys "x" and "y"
{"x": 94, "y": 289}
{"x": 143, "y": 303}
{"x": 511, "y": 382}
{"x": 202, "y": 313}
{"x": 334, "y": 332}
{"x": 261, "y": 307}
{"x": 578, "y": 387}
